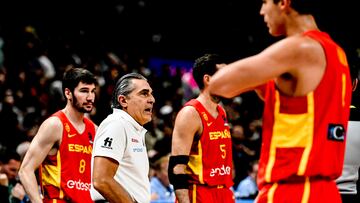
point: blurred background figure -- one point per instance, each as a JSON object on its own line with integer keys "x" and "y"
{"x": 247, "y": 189}
{"x": 11, "y": 190}
{"x": 161, "y": 189}
{"x": 243, "y": 151}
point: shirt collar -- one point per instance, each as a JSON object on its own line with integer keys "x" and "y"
{"x": 130, "y": 119}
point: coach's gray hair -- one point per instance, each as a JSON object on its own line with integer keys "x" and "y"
{"x": 124, "y": 86}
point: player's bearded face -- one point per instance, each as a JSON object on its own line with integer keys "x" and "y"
{"x": 81, "y": 107}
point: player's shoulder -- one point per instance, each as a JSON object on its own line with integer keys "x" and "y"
{"x": 50, "y": 129}
{"x": 53, "y": 122}
{"x": 299, "y": 49}
{"x": 299, "y": 43}
{"x": 187, "y": 110}
{"x": 186, "y": 114}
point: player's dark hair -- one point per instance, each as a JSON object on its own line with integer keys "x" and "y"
{"x": 304, "y": 6}
{"x": 124, "y": 86}
{"x": 205, "y": 65}
{"x": 74, "y": 76}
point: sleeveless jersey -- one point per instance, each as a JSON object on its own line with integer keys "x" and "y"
{"x": 65, "y": 177}
{"x": 305, "y": 136}
{"x": 210, "y": 156}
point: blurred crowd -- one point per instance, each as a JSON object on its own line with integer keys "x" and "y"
{"x": 31, "y": 68}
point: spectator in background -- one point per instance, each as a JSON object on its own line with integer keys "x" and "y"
{"x": 4, "y": 192}
{"x": 62, "y": 146}
{"x": 162, "y": 145}
{"x": 1, "y": 52}
{"x": 161, "y": 189}
{"x": 247, "y": 188}
{"x": 11, "y": 187}
{"x": 10, "y": 115}
{"x": 4, "y": 181}
{"x": 3, "y": 78}
{"x": 243, "y": 152}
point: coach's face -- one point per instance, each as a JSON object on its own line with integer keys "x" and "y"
{"x": 139, "y": 103}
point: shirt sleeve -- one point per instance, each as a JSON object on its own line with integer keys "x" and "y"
{"x": 110, "y": 140}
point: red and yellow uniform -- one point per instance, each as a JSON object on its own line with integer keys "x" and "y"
{"x": 304, "y": 137}
{"x": 210, "y": 163}
{"x": 66, "y": 176}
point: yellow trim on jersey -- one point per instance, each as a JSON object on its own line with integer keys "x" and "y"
{"x": 291, "y": 130}
{"x": 195, "y": 164}
{"x": 308, "y": 133}
{"x": 271, "y": 193}
{"x": 51, "y": 175}
{"x": 343, "y": 60}
{"x": 306, "y": 194}
{"x": 58, "y": 157}
{"x": 342, "y": 56}
{"x": 343, "y": 89}
{"x": 194, "y": 194}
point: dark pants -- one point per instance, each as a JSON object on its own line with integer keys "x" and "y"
{"x": 349, "y": 198}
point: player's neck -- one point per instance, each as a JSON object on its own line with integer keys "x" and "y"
{"x": 300, "y": 24}
{"x": 208, "y": 103}
{"x": 73, "y": 115}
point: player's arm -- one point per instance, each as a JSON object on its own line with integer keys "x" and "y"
{"x": 104, "y": 171}
{"x": 290, "y": 55}
{"x": 187, "y": 125}
{"x": 50, "y": 133}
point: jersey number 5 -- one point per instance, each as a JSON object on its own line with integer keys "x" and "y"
{"x": 223, "y": 151}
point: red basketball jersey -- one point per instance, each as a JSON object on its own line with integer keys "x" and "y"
{"x": 210, "y": 156}
{"x": 67, "y": 175}
{"x": 305, "y": 136}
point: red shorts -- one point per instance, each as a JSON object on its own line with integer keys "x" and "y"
{"x": 310, "y": 191}
{"x": 207, "y": 194}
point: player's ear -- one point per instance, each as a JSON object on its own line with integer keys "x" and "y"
{"x": 67, "y": 93}
{"x": 284, "y": 3}
{"x": 206, "y": 78}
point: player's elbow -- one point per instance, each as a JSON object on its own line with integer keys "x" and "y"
{"x": 99, "y": 183}
{"x": 23, "y": 172}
